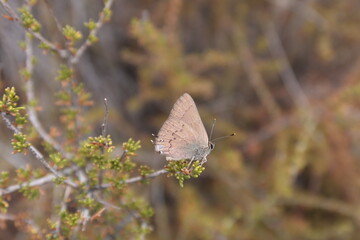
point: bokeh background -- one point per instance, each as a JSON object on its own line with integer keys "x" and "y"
{"x": 283, "y": 74}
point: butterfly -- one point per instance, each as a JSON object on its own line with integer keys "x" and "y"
{"x": 183, "y": 135}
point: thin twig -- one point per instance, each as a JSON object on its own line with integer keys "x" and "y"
{"x": 301, "y": 100}
{"x": 30, "y": 94}
{"x": 36, "y": 152}
{"x": 10, "y": 11}
{"x": 93, "y": 32}
{"x": 63, "y": 208}
{"x": 256, "y": 80}
{"x": 85, "y": 213}
{"x": 33, "y": 183}
{"x": 106, "y": 115}
{"x": 133, "y": 215}
{"x": 135, "y": 179}
{"x": 106, "y": 203}
{"x": 287, "y": 74}
{"x": 103, "y": 133}
{"x": 61, "y": 52}
{"x": 51, "y": 11}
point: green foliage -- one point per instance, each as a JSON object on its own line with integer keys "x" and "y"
{"x": 3, "y": 205}
{"x": 30, "y": 192}
{"x": 107, "y": 14}
{"x": 28, "y": 20}
{"x": 197, "y": 169}
{"x": 128, "y": 164}
{"x": 163, "y": 64}
{"x": 69, "y": 117}
{"x": 86, "y": 202}
{"x": 71, "y": 34}
{"x": 95, "y": 147}
{"x": 83, "y": 96}
{"x": 38, "y": 173}
{"x": 130, "y": 147}
{"x": 44, "y": 46}
{"x": 119, "y": 184}
{"x": 64, "y": 98}
{"x": 93, "y": 39}
{"x": 91, "y": 163}
{"x": 59, "y": 180}
{"x": 52, "y": 236}
{"x": 116, "y": 164}
{"x": 144, "y": 172}
{"x": 19, "y": 143}
{"x": 25, "y": 74}
{"x": 34, "y": 61}
{"x": 93, "y": 177}
{"x": 23, "y": 174}
{"x": 287, "y": 176}
{"x": 70, "y": 219}
{"x": 58, "y": 160}
{"x": 20, "y": 119}
{"x": 9, "y": 102}
{"x": 91, "y": 24}
{"x": 4, "y": 177}
{"x": 142, "y": 208}
{"x": 182, "y": 171}
{"x": 65, "y": 74}
{"x": 71, "y": 100}
{"x": 22, "y": 45}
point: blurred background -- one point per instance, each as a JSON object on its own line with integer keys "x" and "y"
{"x": 282, "y": 74}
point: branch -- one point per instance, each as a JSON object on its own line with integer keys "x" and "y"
{"x": 29, "y": 88}
{"x": 106, "y": 203}
{"x": 85, "y": 212}
{"x": 93, "y": 32}
{"x": 103, "y": 133}
{"x": 256, "y": 80}
{"x": 287, "y": 74}
{"x": 33, "y": 183}
{"x": 134, "y": 179}
{"x": 104, "y": 124}
{"x": 36, "y": 152}
{"x": 62, "y": 53}
{"x": 63, "y": 206}
{"x": 51, "y": 11}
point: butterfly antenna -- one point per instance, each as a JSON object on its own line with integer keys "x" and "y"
{"x": 212, "y": 128}
{"x": 231, "y": 135}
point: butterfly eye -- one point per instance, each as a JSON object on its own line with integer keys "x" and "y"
{"x": 211, "y": 145}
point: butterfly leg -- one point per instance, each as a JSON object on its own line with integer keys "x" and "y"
{"x": 191, "y": 160}
{"x": 204, "y": 160}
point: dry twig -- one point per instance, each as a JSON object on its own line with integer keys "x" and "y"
{"x": 36, "y": 152}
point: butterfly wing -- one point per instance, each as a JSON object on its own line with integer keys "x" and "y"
{"x": 185, "y": 110}
{"x": 176, "y": 140}
{"x": 183, "y": 135}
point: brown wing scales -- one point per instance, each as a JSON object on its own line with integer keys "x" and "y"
{"x": 183, "y": 132}
{"x": 185, "y": 109}
{"x": 175, "y": 140}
